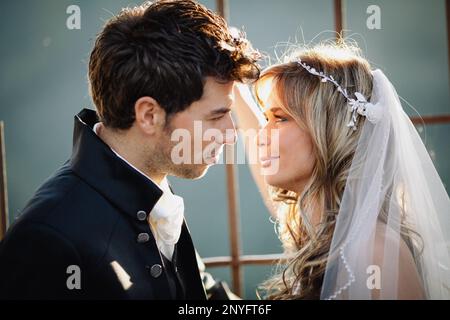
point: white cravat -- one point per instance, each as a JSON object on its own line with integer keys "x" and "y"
{"x": 166, "y": 217}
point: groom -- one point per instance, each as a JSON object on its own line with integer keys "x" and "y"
{"x": 106, "y": 225}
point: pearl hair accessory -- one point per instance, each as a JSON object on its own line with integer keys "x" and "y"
{"x": 358, "y": 106}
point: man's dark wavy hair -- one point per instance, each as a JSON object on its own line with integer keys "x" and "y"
{"x": 164, "y": 50}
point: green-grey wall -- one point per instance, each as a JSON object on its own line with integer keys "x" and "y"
{"x": 43, "y": 85}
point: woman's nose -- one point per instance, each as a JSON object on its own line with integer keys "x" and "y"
{"x": 262, "y": 139}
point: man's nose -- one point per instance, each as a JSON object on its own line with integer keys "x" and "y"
{"x": 230, "y": 135}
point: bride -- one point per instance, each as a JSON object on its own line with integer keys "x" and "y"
{"x": 361, "y": 210}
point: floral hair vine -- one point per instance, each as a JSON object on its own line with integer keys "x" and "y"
{"x": 358, "y": 106}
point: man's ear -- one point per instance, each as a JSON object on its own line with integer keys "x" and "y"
{"x": 150, "y": 116}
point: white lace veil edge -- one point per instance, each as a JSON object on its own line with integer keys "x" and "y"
{"x": 392, "y": 233}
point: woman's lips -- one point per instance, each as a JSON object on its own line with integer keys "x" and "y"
{"x": 267, "y": 161}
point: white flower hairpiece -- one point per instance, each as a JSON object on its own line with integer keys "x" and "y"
{"x": 358, "y": 106}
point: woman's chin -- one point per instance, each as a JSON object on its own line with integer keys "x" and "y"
{"x": 275, "y": 181}
{"x": 279, "y": 182}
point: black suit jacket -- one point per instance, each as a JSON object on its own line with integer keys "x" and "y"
{"x": 85, "y": 215}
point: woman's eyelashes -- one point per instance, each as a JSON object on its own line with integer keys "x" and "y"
{"x": 277, "y": 118}
{"x": 280, "y": 118}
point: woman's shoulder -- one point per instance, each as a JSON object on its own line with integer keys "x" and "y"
{"x": 396, "y": 263}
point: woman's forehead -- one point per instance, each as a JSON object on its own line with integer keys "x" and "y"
{"x": 273, "y": 103}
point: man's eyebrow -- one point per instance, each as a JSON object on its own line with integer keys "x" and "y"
{"x": 220, "y": 111}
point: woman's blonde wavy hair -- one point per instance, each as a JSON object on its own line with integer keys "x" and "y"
{"x": 323, "y": 111}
